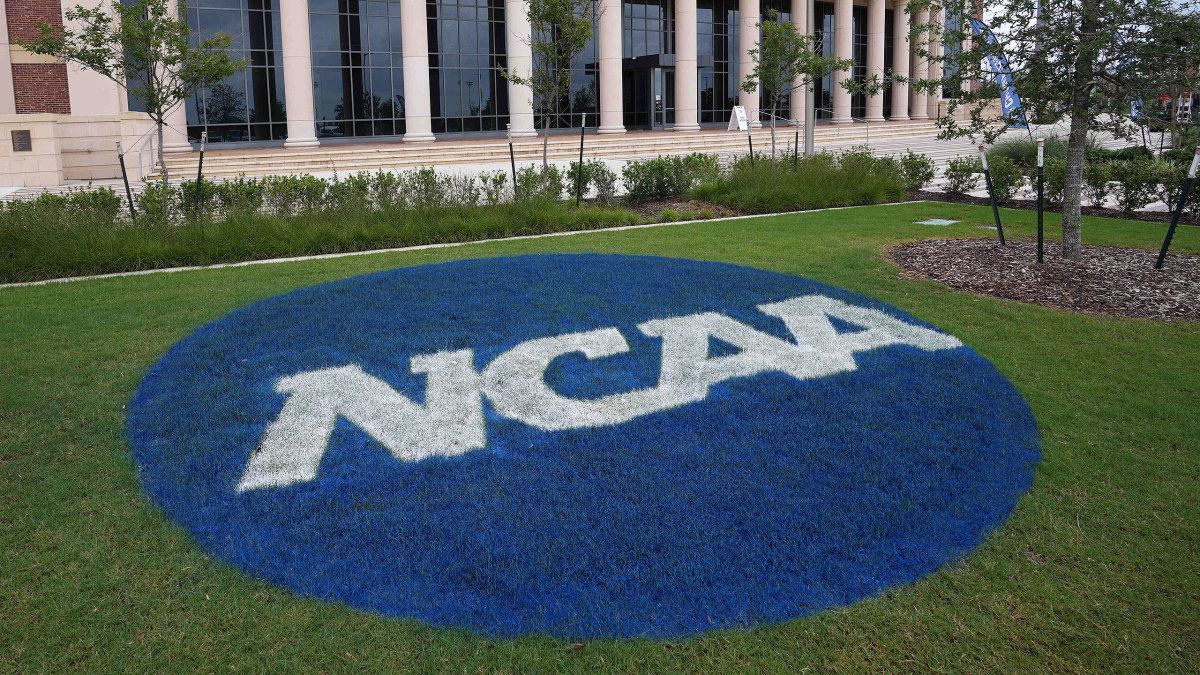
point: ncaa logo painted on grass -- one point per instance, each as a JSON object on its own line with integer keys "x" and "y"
{"x": 581, "y": 445}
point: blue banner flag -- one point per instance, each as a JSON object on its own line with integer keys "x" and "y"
{"x": 998, "y": 63}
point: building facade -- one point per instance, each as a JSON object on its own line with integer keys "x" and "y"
{"x": 415, "y": 70}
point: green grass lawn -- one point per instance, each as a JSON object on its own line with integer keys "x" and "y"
{"x": 1098, "y": 569}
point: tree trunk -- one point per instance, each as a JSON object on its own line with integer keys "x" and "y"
{"x": 1072, "y": 217}
{"x": 163, "y": 165}
{"x": 772, "y": 132}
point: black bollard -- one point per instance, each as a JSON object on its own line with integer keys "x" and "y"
{"x": 579, "y": 173}
{"x": 512, "y": 157}
{"x": 750, "y": 137}
{"x": 200, "y": 169}
{"x": 125, "y": 177}
{"x": 796, "y": 157}
{"x": 1187, "y": 188}
{"x": 987, "y": 177}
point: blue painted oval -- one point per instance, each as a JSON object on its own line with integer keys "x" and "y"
{"x": 773, "y": 498}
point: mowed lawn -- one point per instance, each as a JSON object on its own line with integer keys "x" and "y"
{"x": 1097, "y": 570}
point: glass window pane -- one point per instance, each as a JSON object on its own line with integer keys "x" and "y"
{"x": 328, "y": 87}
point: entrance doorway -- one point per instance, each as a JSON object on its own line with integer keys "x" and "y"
{"x": 649, "y": 97}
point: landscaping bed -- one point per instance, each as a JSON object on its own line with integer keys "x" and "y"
{"x": 1108, "y": 280}
{"x": 90, "y": 232}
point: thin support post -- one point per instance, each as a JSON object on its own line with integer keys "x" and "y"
{"x": 579, "y": 172}
{"x": 512, "y": 158}
{"x": 987, "y": 177}
{"x": 1041, "y": 182}
{"x": 125, "y": 177}
{"x": 200, "y": 169}
{"x": 750, "y": 137}
{"x": 796, "y": 156}
{"x": 1187, "y": 188}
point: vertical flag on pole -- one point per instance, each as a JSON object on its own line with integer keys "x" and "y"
{"x": 998, "y": 63}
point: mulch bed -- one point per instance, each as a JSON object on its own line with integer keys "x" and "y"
{"x": 1109, "y": 280}
{"x": 1031, "y": 204}
{"x": 685, "y": 209}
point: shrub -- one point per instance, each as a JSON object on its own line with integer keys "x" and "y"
{"x": 1170, "y": 177}
{"x": 1056, "y": 180}
{"x": 1133, "y": 152}
{"x": 385, "y": 190}
{"x": 188, "y": 196}
{"x": 154, "y": 202}
{"x": 101, "y": 203}
{"x": 962, "y": 175}
{"x": 291, "y": 195}
{"x": 1136, "y": 183}
{"x": 1007, "y": 178}
{"x": 666, "y": 177}
{"x": 1023, "y": 151}
{"x": 531, "y": 183}
{"x": 460, "y": 191}
{"x": 1179, "y": 156}
{"x": 240, "y": 195}
{"x": 494, "y": 185}
{"x": 422, "y": 188}
{"x": 604, "y": 181}
{"x": 816, "y": 182}
{"x": 918, "y": 170}
{"x": 352, "y": 193}
{"x": 1096, "y": 179}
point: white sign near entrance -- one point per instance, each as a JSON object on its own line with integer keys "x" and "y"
{"x": 737, "y": 119}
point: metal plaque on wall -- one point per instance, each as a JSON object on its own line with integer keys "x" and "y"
{"x": 22, "y": 141}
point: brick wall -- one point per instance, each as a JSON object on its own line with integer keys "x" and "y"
{"x": 38, "y": 87}
{"x": 25, "y": 15}
{"x": 41, "y": 88}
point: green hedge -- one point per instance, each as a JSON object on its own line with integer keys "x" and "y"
{"x": 793, "y": 184}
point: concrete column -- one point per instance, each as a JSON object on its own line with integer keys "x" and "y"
{"x": 918, "y": 101}
{"x": 876, "y": 33}
{"x": 612, "y": 95}
{"x": 520, "y": 63}
{"x": 297, "y": 75}
{"x": 749, "y": 13}
{"x": 934, "y": 69}
{"x": 90, "y": 92}
{"x": 415, "y": 46}
{"x": 900, "y": 60}
{"x": 175, "y": 133}
{"x": 687, "y": 96}
{"x": 800, "y": 21}
{"x": 843, "y": 48}
{"x": 8, "y": 96}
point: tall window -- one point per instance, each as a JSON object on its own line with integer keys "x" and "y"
{"x": 717, "y": 49}
{"x": 858, "y": 101}
{"x": 953, "y": 84}
{"x": 889, "y": 59}
{"x": 358, "y": 85}
{"x": 823, "y": 28}
{"x": 247, "y": 106}
{"x": 584, "y": 96}
{"x": 466, "y": 53}
{"x": 785, "y": 101}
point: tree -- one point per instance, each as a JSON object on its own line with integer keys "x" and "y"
{"x": 785, "y": 60}
{"x": 560, "y": 29}
{"x": 145, "y": 50}
{"x": 1079, "y": 60}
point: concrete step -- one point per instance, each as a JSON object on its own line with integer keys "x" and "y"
{"x": 351, "y": 158}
